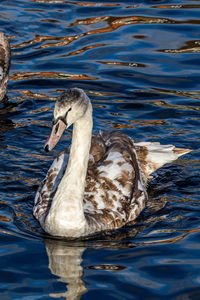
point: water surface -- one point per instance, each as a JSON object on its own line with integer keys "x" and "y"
{"x": 139, "y": 63}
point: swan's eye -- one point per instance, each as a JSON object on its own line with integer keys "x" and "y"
{"x": 56, "y": 129}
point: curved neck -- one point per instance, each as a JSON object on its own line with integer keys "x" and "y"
{"x": 75, "y": 173}
{"x": 66, "y": 213}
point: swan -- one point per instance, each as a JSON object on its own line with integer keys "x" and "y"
{"x": 4, "y": 64}
{"x": 101, "y": 183}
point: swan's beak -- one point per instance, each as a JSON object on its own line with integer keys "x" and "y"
{"x": 56, "y": 133}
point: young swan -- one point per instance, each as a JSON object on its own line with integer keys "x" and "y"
{"x": 101, "y": 184}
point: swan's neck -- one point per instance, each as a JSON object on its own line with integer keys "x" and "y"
{"x": 66, "y": 216}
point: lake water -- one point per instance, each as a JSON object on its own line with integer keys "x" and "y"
{"x": 139, "y": 63}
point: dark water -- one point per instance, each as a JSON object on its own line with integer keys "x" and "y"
{"x": 139, "y": 63}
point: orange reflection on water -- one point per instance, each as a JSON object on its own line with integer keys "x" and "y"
{"x": 84, "y": 49}
{"x": 98, "y": 93}
{"x": 76, "y": 3}
{"x": 21, "y": 215}
{"x": 190, "y": 47}
{"x": 113, "y": 24}
{"x": 7, "y": 232}
{"x": 135, "y": 123}
{"x": 95, "y": 4}
{"x": 50, "y": 21}
{"x": 49, "y": 1}
{"x": 31, "y": 94}
{"x": 184, "y": 233}
{"x": 116, "y": 22}
{"x": 177, "y": 6}
{"x": 13, "y": 148}
{"x": 4, "y": 219}
{"x": 120, "y": 63}
{"x": 188, "y": 94}
{"x": 149, "y": 122}
{"x": 121, "y": 125}
{"x": 89, "y": 21}
{"x": 183, "y": 107}
{"x": 37, "y": 39}
{"x": 64, "y": 41}
{"x": 50, "y": 75}
{"x": 43, "y": 109}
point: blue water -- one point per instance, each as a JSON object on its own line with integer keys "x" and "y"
{"x": 139, "y": 63}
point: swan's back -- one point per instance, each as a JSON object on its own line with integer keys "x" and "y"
{"x": 115, "y": 190}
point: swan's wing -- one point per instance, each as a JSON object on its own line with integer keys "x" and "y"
{"x": 115, "y": 189}
{"x": 4, "y": 63}
{"x": 49, "y": 185}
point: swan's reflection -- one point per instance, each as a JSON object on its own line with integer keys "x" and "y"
{"x": 65, "y": 262}
{"x": 65, "y": 259}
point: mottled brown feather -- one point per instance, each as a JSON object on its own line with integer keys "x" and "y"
{"x": 107, "y": 202}
{"x": 4, "y": 64}
{"x": 118, "y": 216}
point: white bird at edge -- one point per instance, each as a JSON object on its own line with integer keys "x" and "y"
{"x": 101, "y": 184}
{"x": 4, "y": 65}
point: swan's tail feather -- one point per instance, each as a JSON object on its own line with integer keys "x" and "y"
{"x": 181, "y": 151}
{"x": 154, "y": 155}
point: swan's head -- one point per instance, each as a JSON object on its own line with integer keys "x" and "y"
{"x": 69, "y": 107}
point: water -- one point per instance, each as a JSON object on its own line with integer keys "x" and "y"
{"x": 139, "y": 63}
